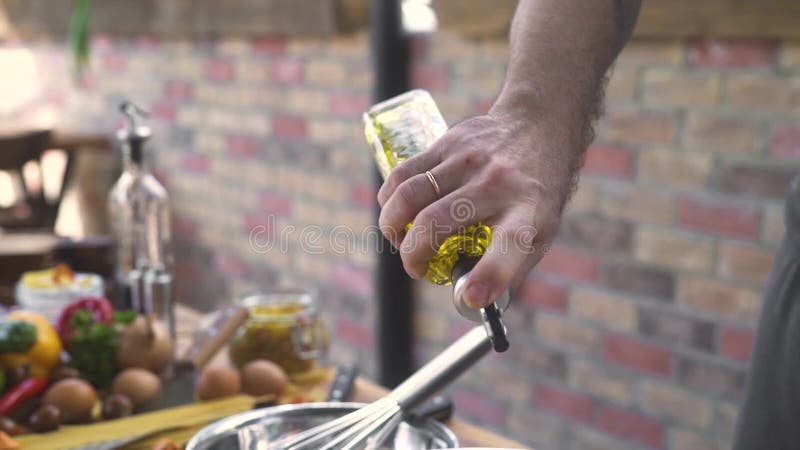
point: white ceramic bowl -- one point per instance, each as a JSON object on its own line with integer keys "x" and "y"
{"x": 49, "y": 301}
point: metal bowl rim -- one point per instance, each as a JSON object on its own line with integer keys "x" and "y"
{"x": 220, "y": 426}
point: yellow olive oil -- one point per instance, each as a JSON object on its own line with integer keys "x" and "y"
{"x": 398, "y": 129}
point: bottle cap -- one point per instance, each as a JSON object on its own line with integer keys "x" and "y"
{"x": 136, "y": 133}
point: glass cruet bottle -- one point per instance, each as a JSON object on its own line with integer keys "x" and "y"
{"x": 139, "y": 215}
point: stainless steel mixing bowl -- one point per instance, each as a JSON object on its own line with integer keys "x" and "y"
{"x": 282, "y": 421}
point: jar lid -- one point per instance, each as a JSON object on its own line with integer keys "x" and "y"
{"x": 279, "y": 304}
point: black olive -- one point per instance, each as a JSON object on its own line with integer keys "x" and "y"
{"x": 47, "y": 418}
{"x": 116, "y": 406}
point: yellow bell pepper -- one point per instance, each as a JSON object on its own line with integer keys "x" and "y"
{"x": 45, "y": 355}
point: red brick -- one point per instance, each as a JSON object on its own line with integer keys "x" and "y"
{"x": 733, "y": 53}
{"x": 639, "y": 279}
{"x": 743, "y": 262}
{"x": 352, "y": 280}
{"x": 711, "y": 377}
{"x": 187, "y": 273}
{"x": 608, "y": 161}
{"x": 179, "y": 90}
{"x": 288, "y": 71}
{"x": 719, "y": 298}
{"x": 563, "y": 332}
{"x": 596, "y": 231}
{"x": 185, "y": 228}
{"x": 786, "y": 141}
{"x": 270, "y": 45}
{"x": 219, "y": 70}
{"x": 197, "y": 162}
{"x": 570, "y": 263}
{"x": 87, "y": 81}
{"x": 429, "y": 77}
{"x": 565, "y": 402}
{"x": 240, "y": 145}
{"x": 355, "y": 333}
{"x": 260, "y": 229}
{"x": 637, "y": 354}
{"x": 631, "y": 426}
{"x": 677, "y": 329}
{"x": 231, "y": 266}
{"x": 602, "y": 381}
{"x": 675, "y": 403}
{"x": 148, "y": 42}
{"x": 419, "y": 45}
{"x": 479, "y": 407}
{"x": 289, "y": 127}
{"x": 718, "y": 218}
{"x": 363, "y": 194}
{"x": 632, "y": 125}
{"x": 275, "y": 204}
{"x": 736, "y": 343}
{"x": 101, "y": 42}
{"x": 164, "y": 111}
{"x": 542, "y": 292}
{"x": 349, "y": 105}
{"x": 542, "y": 360}
{"x": 756, "y": 180}
{"x": 115, "y": 63}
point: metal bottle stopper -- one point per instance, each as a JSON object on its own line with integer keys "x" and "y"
{"x": 491, "y": 316}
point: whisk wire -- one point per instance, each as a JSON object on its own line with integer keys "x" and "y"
{"x": 372, "y": 427}
{"x": 324, "y": 429}
{"x": 375, "y": 442}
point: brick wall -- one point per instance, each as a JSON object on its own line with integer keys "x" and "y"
{"x": 636, "y": 329}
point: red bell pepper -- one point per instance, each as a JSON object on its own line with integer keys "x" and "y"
{"x": 20, "y": 394}
{"x": 100, "y": 309}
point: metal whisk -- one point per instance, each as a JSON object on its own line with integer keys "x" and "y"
{"x": 375, "y": 423}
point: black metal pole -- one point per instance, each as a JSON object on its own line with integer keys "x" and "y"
{"x": 390, "y": 62}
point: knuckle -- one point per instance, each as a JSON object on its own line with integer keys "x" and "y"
{"x": 496, "y": 175}
{"x": 406, "y": 193}
{"x": 446, "y": 144}
{"x": 396, "y": 176}
{"x": 430, "y": 216}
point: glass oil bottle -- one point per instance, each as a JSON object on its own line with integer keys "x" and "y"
{"x": 140, "y": 222}
{"x": 398, "y": 129}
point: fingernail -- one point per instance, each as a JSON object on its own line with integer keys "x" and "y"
{"x": 476, "y": 295}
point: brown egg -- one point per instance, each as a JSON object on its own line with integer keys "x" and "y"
{"x": 217, "y": 382}
{"x": 139, "y": 385}
{"x": 262, "y": 377}
{"x": 74, "y": 397}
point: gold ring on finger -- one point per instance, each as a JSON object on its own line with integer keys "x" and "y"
{"x": 433, "y": 183}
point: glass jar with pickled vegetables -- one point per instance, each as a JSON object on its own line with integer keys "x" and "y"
{"x": 284, "y": 327}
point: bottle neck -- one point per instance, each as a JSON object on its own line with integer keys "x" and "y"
{"x": 134, "y": 157}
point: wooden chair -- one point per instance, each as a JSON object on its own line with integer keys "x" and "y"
{"x": 34, "y": 211}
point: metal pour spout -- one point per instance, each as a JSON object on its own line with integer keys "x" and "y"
{"x": 491, "y": 316}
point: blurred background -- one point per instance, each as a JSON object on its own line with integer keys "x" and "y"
{"x": 635, "y": 331}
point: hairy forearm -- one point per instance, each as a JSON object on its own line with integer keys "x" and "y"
{"x": 560, "y": 51}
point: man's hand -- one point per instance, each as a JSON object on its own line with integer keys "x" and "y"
{"x": 497, "y": 169}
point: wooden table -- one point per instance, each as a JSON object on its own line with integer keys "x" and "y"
{"x": 364, "y": 391}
